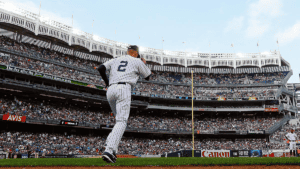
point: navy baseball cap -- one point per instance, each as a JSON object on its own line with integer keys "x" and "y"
{"x": 134, "y": 47}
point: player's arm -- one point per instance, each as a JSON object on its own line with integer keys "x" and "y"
{"x": 144, "y": 71}
{"x": 102, "y": 70}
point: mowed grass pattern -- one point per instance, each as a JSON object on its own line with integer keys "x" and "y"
{"x": 170, "y": 161}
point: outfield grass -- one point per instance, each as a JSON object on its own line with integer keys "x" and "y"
{"x": 170, "y": 161}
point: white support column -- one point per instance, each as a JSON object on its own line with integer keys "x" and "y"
{"x": 114, "y": 51}
{"x": 37, "y": 26}
{"x": 279, "y": 58}
{"x": 185, "y": 61}
{"x": 209, "y": 61}
{"x": 70, "y": 39}
{"x": 91, "y": 46}
{"x": 48, "y": 32}
{"x": 234, "y": 62}
{"x": 162, "y": 59}
{"x": 259, "y": 60}
{"x": 10, "y": 18}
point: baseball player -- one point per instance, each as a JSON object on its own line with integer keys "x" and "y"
{"x": 124, "y": 73}
{"x": 292, "y": 137}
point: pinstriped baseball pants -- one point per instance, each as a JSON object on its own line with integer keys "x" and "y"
{"x": 119, "y": 99}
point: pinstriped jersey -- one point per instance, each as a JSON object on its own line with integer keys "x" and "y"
{"x": 126, "y": 69}
{"x": 291, "y": 136}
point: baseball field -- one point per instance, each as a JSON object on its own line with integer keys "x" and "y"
{"x": 170, "y": 162}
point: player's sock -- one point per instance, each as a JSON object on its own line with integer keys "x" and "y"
{"x": 291, "y": 152}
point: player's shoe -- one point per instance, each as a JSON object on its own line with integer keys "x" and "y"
{"x": 115, "y": 156}
{"x": 109, "y": 158}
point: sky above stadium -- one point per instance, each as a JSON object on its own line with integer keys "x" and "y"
{"x": 204, "y": 26}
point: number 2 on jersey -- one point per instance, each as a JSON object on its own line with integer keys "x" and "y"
{"x": 122, "y": 66}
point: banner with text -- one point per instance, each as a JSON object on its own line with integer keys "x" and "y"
{"x": 9, "y": 117}
{"x": 215, "y": 153}
{"x": 256, "y": 131}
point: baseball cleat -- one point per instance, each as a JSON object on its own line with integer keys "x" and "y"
{"x": 115, "y": 156}
{"x": 109, "y": 158}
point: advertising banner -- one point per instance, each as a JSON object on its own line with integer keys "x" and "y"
{"x": 221, "y": 98}
{"x": 234, "y": 153}
{"x": 24, "y": 156}
{"x": 239, "y": 153}
{"x": 255, "y": 153}
{"x": 8, "y": 117}
{"x": 3, "y": 66}
{"x": 256, "y": 131}
{"x": 252, "y": 98}
{"x": 215, "y": 153}
{"x": 243, "y": 153}
{"x": 271, "y": 109}
{"x": 276, "y": 153}
{"x": 183, "y": 153}
{"x": 70, "y": 123}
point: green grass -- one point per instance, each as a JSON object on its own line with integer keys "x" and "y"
{"x": 170, "y": 161}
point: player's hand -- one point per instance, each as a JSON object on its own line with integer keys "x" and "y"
{"x": 143, "y": 60}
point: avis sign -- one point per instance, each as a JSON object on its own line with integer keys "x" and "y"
{"x": 215, "y": 153}
{"x": 14, "y": 118}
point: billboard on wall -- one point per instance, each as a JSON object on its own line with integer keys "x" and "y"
{"x": 276, "y": 153}
{"x": 255, "y": 153}
{"x": 271, "y": 109}
{"x": 9, "y": 117}
{"x": 215, "y": 153}
{"x": 239, "y": 153}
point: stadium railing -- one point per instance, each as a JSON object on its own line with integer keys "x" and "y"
{"x": 276, "y": 126}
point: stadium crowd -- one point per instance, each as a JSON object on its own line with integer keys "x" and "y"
{"x": 204, "y": 92}
{"x": 167, "y": 77}
{"x": 39, "y": 111}
{"x": 22, "y": 142}
{"x": 148, "y": 88}
{"x": 213, "y": 79}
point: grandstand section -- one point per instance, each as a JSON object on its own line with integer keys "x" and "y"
{"x": 52, "y": 95}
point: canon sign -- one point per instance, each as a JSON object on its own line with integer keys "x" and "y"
{"x": 215, "y": 153}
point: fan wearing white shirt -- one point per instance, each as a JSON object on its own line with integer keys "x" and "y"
{"x": 292, "y": 137}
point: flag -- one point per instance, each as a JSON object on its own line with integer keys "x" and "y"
{"x": 183, "y": 42}
{"x": 139, "y": 37}
{"x": 277, "y": 40}
{"x": 257, "y": 44}
{"x": 209, "y": 44}
{"x": 232, "y": 45}
{"x": 163, "y": 39}
{"x": 115, "y": 31}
